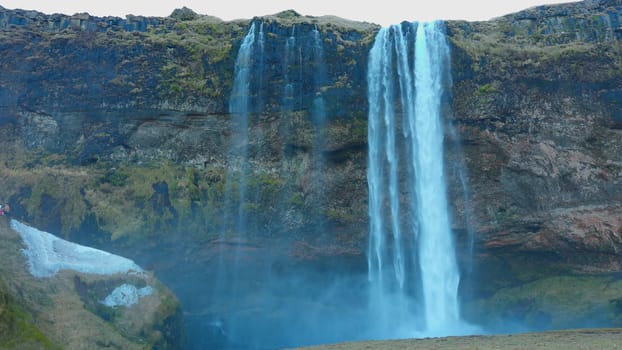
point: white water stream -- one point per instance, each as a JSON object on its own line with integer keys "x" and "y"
{"x": 412, "y": 264}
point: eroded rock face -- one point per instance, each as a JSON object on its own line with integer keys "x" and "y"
{"x": 129, "y": 100}
{"x": 533, "y": 104}
{"x": 535, "y": 107}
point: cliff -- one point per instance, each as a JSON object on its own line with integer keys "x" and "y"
{"x": 537, "y": 103}
{"x": 115, "y": 132}
{"x": 98, "y": 99}
{"x": 537, "y": 106}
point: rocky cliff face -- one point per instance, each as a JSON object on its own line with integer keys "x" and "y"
{"x": 537, "y": 102}
{"x": 537, "y": 105}
{"x": 110, "y": 101}
{"x": 115, "y": 131}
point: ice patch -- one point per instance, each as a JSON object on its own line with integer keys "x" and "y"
{"x": 126, "y": 295}
{"x": 48, "y": 254}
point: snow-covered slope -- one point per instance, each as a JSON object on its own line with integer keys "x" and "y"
{"x": 48, "y": 254}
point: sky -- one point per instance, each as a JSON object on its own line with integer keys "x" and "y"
{"x": 383, "y": 12}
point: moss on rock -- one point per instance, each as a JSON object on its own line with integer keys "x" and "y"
{"x": 554, "y": 302}
{"x": 17, "y": 328}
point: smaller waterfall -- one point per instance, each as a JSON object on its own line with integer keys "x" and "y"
{"x": 239, "y": 107}
{"x": 386, "y": 263}
{"x": 261, "y": 47}
{"x": 318, "y": 118}
{"x": 288, "y": 59}
{"x": 318, "y": 110}
{"x": 226, "y": 279}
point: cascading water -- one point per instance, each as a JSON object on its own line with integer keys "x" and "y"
{"x": 412, "y": 294}
{"x": 318, "y": 110}
{"x": 440, "y": 276}
{"x": 225, "y": 288}
{"x": 289, "y": 57}
{"x": 239, "y": 108}
{"x": 261, "y": 43}
{"x": 318, "y": 118}
{"x": 386, "y": 277}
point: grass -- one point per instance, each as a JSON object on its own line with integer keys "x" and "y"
{"x": 17, "y": 328}
{"x": 564, "y": 301}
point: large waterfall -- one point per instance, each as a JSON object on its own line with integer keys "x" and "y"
{"x": 412, "y": 265}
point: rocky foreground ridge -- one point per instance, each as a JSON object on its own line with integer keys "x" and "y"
{"x": 72, "y": 309}
{"x": 114, "y": 132}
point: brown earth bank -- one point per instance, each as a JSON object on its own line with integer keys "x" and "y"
{"x": 606, "y": 338}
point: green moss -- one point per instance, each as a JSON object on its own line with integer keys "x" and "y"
{"x": 169, "y": 334}
{"x": 359, "y": 130}
{"x": 266, "y": 183}
{"x": 17, "y": 328}
{"x": 22, "y": 331}
{"x": 115, "y": 178}
{"x": 297, "y": 199}
{"x": 488, "y": 89}
{"x": 124, "y": 201}
{"x": 194, "y": 48}
{"x": 63, "y": 192}
{"x": 340, "y": 215}
{"x": 124, "y": 210}
{"x": 561, "y": 301}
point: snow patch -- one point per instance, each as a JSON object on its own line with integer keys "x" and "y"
{"x": 126, "y": 295}
{"x": 48, "y": 254}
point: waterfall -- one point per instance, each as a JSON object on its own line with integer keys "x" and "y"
{"x": 412, "y": 268}
{"x": 261, "y": 43}
{"x": 438, "y": 264}
{"x": 225, "y": 285}
{"x": 318, "y": 110}
{"x": 239, "y": 108}
{"x": 380, "y": 94}
{"x": 318, "y": 119}
{"x": 288, "y": 59}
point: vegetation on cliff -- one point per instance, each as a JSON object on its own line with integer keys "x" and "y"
{"x": 17, "y": 328}
{"x": 182, "y": 62}
{"x": 79, "y": 161}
